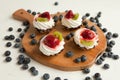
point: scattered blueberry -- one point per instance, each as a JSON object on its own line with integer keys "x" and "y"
{"x": 10, "y": 29}
{"x": 99, "y": 24}
{"x": 99, "y": 14}
{"x": 99, "y": 62}
{"x": 84, "y": 23}
{"x": 57, "y": 78}
{"x": 33, "y": 13}
{"x": 65, "y": 79}
{"x": 108, "y": 49}
{"x": 25, "y": 23}
{"x": 32, "y": 35}
{"x": 69, "y": 54}
{"x": 68, "y": 37}
{"x": 17, "y": 45}
{"x": 106, "y": 66}
{"x": 56, "y": 3}
{"x": 92, "y": 19}
{"x": 20, "y": 61}
{"x": 32, "y": 69}
{"x": 115, "y": 57}
{"x": 8, "y": 44}
{"x": 55, "y": 18}
{"x": 77, "y": 60}
{"x": 46, "y": 76}
{"x": 6, "y": 37}
{"x": 98, "y": 78}
{"x": 21, "y": 57}
{"x": 83, "y": 17}
{"x": 104, "y": 30}
{"x": 93, "y": 28}
{"x": 86, "y": 70}
{"x": 110, "y": 54}
{"x": 21, "y": 35}
{"x": 60, "y": 17}
{"x": 105, "y": 55}
{"x": 83, "y": 58}
{"x": 112, "y": 42}
{"x": 17, "y": 40}
{"x": 27, "y": 60}
{"x": 11, "y": 37}
{"x": 19, "y": 29}
{"x": 25, "y": 66}
{"x": 97, "y": 75}
{"x": 87, "y": 14}
{"x": 33, "y": 42}
{"x": 72, "y": 34}
{"x": 35, "y": 73}
{"x": 88, "y": 78}
{"x": 29, "y": 11}
{"x": 7, "y": 53}
{"x": 8, "y": 59}
{"x": 22, "y": 50}
{"x": 102, "y": 58}
{"x": 115, "y": 35}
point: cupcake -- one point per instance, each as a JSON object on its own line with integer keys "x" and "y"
{"x": 43, "y": 22}
{"x": 52, "y": 44}
{"x": 86, "y": 38}
{"x": 71, "y": 20}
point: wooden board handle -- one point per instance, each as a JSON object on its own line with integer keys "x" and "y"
{"x": 23, "y": 15}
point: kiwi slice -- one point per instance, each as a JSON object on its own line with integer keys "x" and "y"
{"x": 87, "y": 43}
{"x": 58, "y": 35}
{"x": 40, "y": 19}
{"x": 75, "y": 16}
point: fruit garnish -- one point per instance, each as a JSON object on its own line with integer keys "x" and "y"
{"x": 51, "y": 41}
{"x": 75, "y": 16}
{"x": 40, "y": 19}
{"x": 45, "y": 15}
{"x": 58, "y": 35}
{"x": 69, "y": 14}
{"x": 87, "y": 43}
{"x": 87, "y": 34}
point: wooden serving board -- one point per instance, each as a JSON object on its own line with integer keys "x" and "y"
{"x": 59, "y": 61}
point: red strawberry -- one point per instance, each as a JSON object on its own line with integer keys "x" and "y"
{"x": 51, "y": 41}
{"x": 87, "y": 34}
{"x": 45, "y": 15}
{"x": 69, "y": 14}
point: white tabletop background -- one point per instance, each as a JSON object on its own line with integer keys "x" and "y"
{"x": 110, "y": 19}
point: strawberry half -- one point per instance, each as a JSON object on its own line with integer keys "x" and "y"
{"x": 45, "y": 15}
{"x": 69, "y": 14}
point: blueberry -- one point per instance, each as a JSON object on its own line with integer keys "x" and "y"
{"x": 25, "y": 29}
{"x": 108, "y": 49}
{"x": 68, "y": 37}
{"x": 10, "y": 29}
{"x": 86, "y": 70}
{"x": 25, "y": 23}
{"x": 19, "y": 29}
{"x": 65, "y": 79}
{"x": 72, "y": 34}
{"x": 115, "y": 57}
{"x": 87, "y": 14}
{"x": 17, "y": 39}
{"x": 108, "y": 37}
{"x": 88, "y": 78}
{"x": 112, "y": 42}
{"x": 83, "y": 58}
{"x": 106, "y": 66}
{"x": 55, "y": 18}
{"x": 35, "y": 73}
{"x": 56, "y": 3}
{"x": 102, "y": 58}
{"x": 97, "y": 75}
{"x": 104, "y": 30}
{"x": 84, "y": 23}
{"x": 105, "y": 55}
{"x": 99, "y": 62}
{"x": 33, "y": 42}
{"x": 6, "y": 37}
{"x": 32, "y": 69}
{"x": 21, "y": 57}
{"x": 57, "y": 78}
{"x": 96, "y": 19}
{"x": 86, "y": 26}
{"x": 8, "y": 44}
{"x": 33, "y": 13}
{"x": 99, "y": 24}
{"x": 8, "y": 59}
{"x": 115, "y": 35}
{"x": 83, "y": 17}
{"x": 25, "y": 66}
{"x": 11, "y": 37}
{"x": 99, "y": 14}
{"x": 22, "y": 50}
{"x": 7, "y": 53}
{"x": 16, "y": 45}
{"x": 110, "y": 54}
{"x": 92, "y": 19}
{"x": 27, "y": 60}
{"x": 69, "y": 54}
{"x": 60, "y": 17}
{"x": 29, "y": 11}
{"x": 32, "y": 35}
{"x": 20, "y": 61}
{"x": 98, "y": 78}
{"x": 46, "y": 76}
{"x": 77, "y": 60}
{"x": 93, "y": 28}
{"x": 21, "y": 35}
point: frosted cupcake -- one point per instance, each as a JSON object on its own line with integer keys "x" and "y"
{"x": 86, "y": 38}
{"x": 52, "y": 44}
{"x": 43, "y": 22}
{"x": 71, "y": 20}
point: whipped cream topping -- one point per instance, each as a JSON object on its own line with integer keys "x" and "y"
{"x": 70, "y": 23}
{"x": 43, "y": 25}
{"x": 51, "y": 51}
{"x": 78, "y": 38}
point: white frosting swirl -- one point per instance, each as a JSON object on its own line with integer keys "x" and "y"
{"x": 70, "y": 23}
{"x": 43, "y": 25}
{"x": 50, "y": 51}
{"x": 78, "y": 38}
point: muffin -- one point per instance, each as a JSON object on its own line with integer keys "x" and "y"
{"x": 86, "y": 38}
{"x": 43, "y": 22}
{"x": 52, "y": 44}
{"x": 71, "y": 20}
